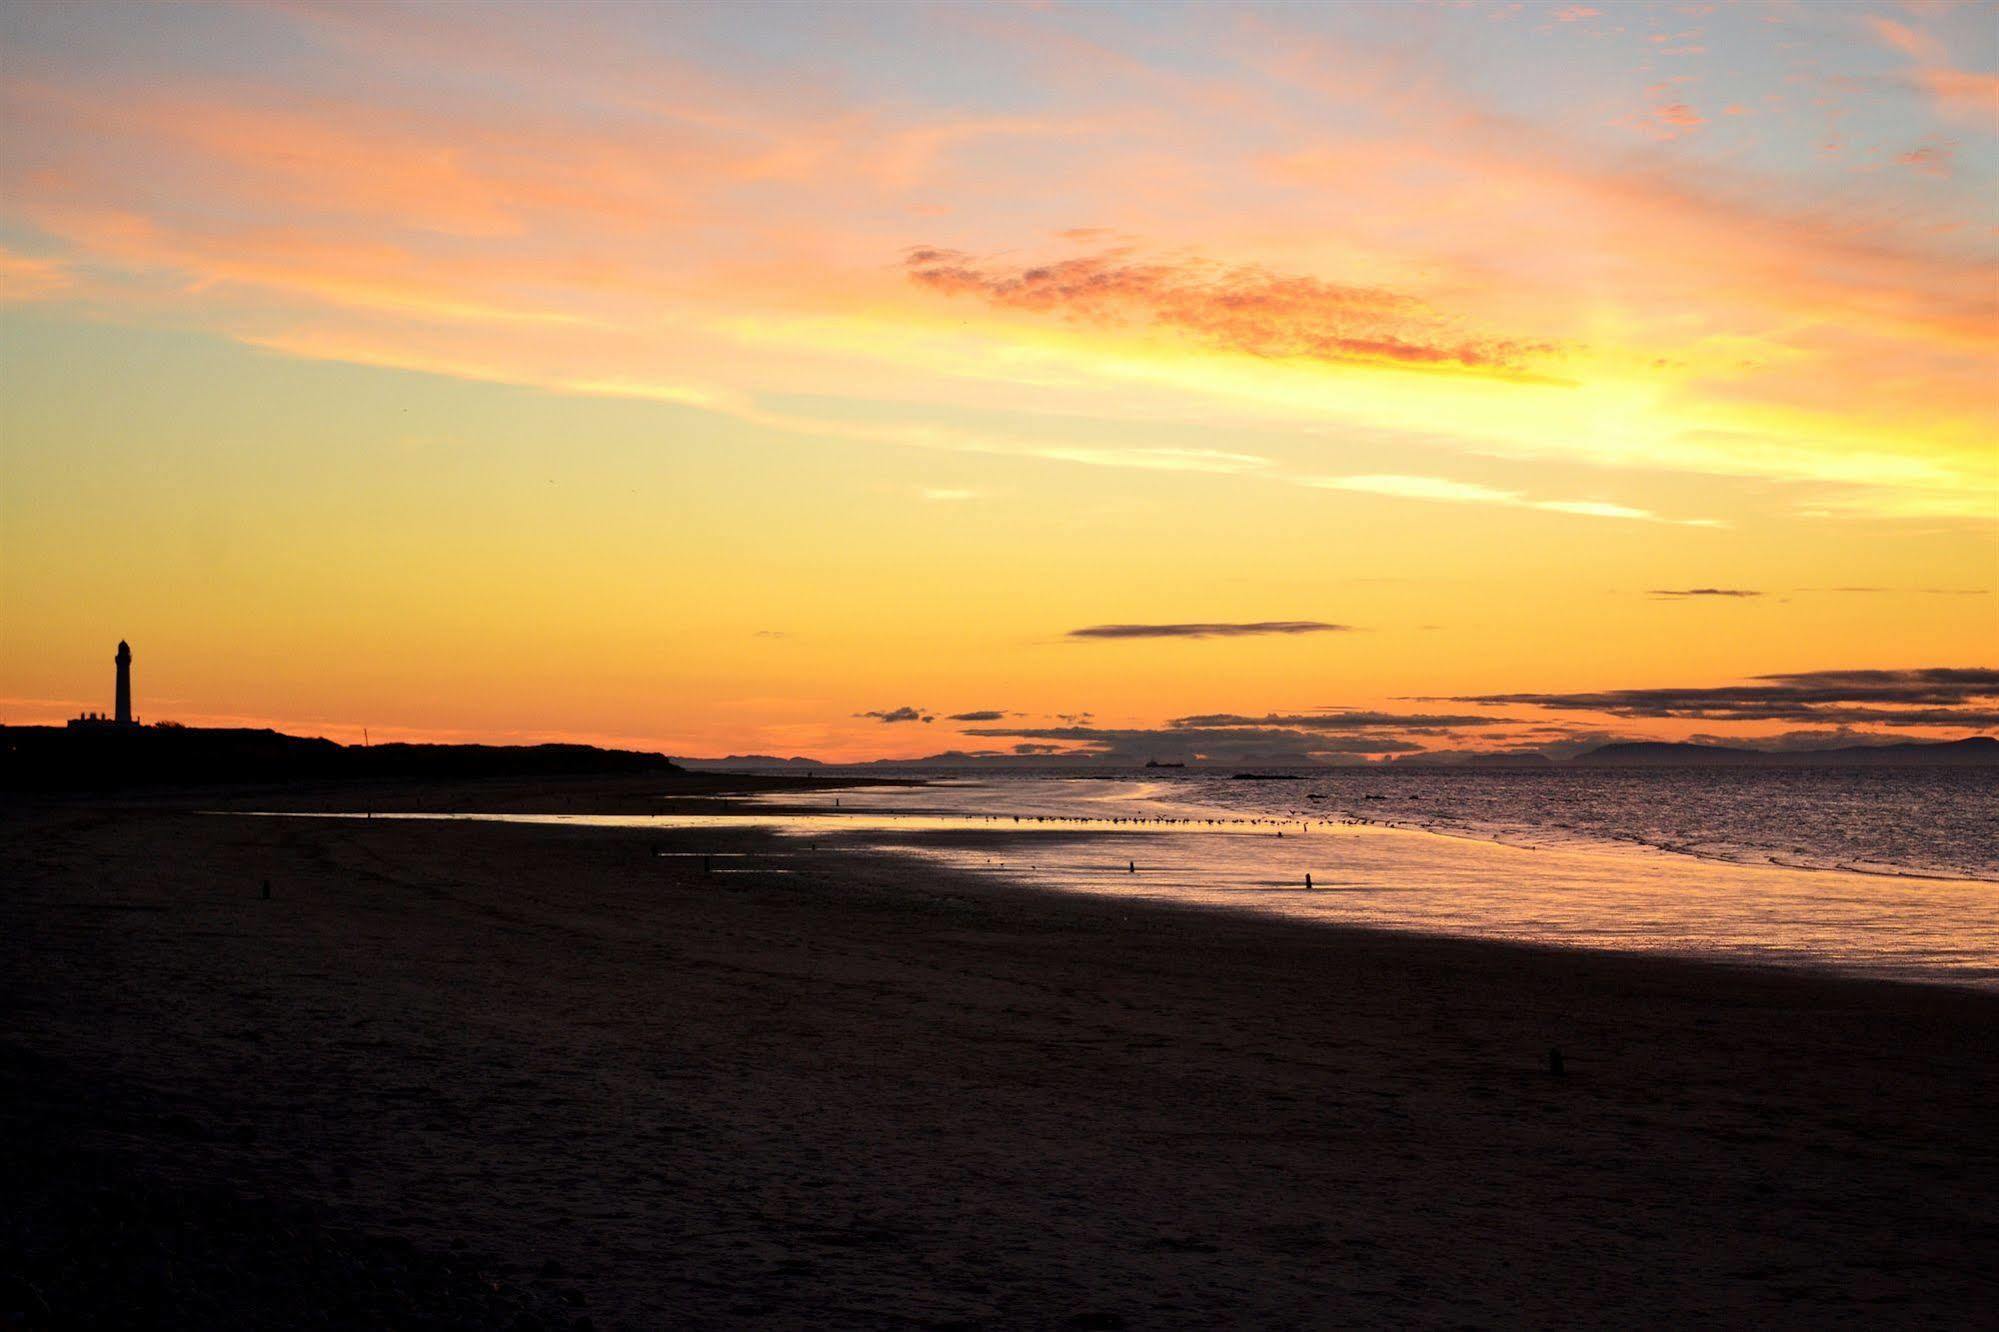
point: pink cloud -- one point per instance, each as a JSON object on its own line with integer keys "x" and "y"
{"x": 1957, "y": 92}
{"x": 1903, "y": 38}
{"x": 26, "y": 277}
{"x": 1241, "y": 308}
{"x": 1963, "y": 92}
{"x": 1666, "y": 120}
{"x": 1930, "y": 159}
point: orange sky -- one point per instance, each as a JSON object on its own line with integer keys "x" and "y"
{"x": 712, "y": 379}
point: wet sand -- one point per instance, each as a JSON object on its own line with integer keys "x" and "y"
{"x": 870, "y": 1093}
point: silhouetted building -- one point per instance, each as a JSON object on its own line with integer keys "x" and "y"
{"x": 124, "y": 660}
{"x": 122, "y": 700}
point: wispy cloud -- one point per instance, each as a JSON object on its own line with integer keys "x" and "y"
{"x": 954, "y": 439}
{"x": 1682, "y": 592}
{"x": 1446, "y": 491}
{"x": 1671, "y": 118}
{"x": 1963, "y": 93}
{"x": 27, "y": 277}
{"x": 1924, "y": 591}
{"x": 1251, "y": 629}
{"x": 1932, "y": 159}
{"x": 1436, "y": 488}
{"x": 985, "y": 715}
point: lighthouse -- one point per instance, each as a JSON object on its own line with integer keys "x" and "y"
{"x": 124, "y": 660}
{"x": 121, "y": 714}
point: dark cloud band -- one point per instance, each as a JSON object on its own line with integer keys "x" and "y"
{"x": 1938, "y": 696}
{"x": 1100, "y": 631}
{"x": 1339, "y": 721}
{"x": 1231, "y": 744}
{"x": 903, "y": 714}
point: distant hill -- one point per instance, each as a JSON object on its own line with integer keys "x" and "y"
{"x": 1668, "y": 754}
{"x": 1978, "y": 751}
{"x": 56, "y": 758}
{"x": 951, "y": 758}
{"x": 738, "y": 761}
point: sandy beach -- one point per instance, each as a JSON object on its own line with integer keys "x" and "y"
{"x": 870, "y": 1093}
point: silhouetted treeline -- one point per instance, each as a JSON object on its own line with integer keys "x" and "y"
{"x": 55, "y": 758}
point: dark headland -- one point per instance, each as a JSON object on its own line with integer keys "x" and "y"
{"x": 453, "y": 1074}
{"x": 55, "y": 758}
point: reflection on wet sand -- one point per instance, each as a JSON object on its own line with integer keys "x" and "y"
{"x": 1132, "y": 840}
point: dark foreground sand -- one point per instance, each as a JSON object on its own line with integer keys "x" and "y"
{"x": 477, "y": 1074}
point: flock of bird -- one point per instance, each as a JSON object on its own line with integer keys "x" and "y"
{"x": 1279, "y": 826}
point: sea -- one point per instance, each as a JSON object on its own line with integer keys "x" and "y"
{"x": 1883, "y": 872}
{"x": 1927, "y": 822}
{"x": 1889, "y": 872}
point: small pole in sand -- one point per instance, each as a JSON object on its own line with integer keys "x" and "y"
{"x": 1555, "y": 1060}
{"x": 1131, "y": 867}
{"x": 1308, "y": 878}
{"x": 267, "y": 890}
{"x": 707, "y": 864}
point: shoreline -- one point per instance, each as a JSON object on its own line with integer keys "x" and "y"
{"x": 1625, "y": 897}
{"x": 877, "y": 1091}
{"x": 629, "y": 794}
{"x": 1033, "y": 880}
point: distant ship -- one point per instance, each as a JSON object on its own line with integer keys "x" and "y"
{"x": 1155, "y": 763}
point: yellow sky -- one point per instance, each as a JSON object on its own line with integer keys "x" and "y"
{"x": 703, "y": 381}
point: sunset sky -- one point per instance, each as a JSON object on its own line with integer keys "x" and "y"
{"x": 874, "y": 380}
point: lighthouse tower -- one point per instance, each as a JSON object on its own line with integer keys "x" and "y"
{"x": 124, "y": 660}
